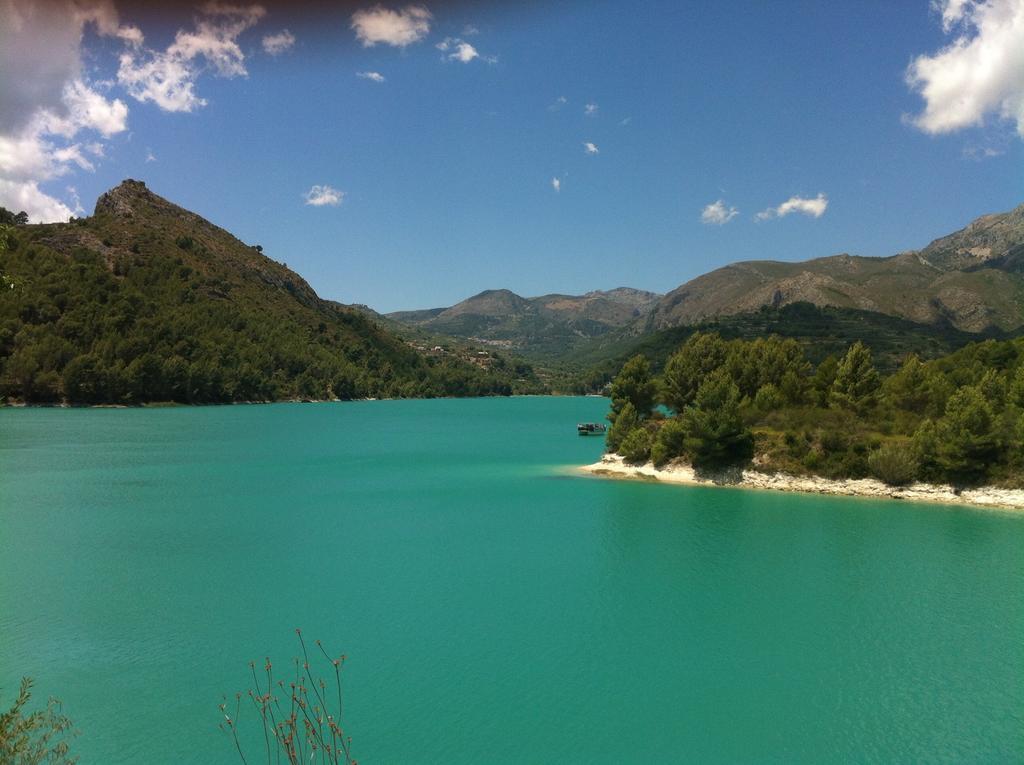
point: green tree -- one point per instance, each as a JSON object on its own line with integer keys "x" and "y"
{"x": 633, "y": 385}
{"x": 823, "y": 379}
{"x": 669, "y": 442}
{"x": 84, "y": 381}
{"x": 1015, "y": 394}
{"x": 968, "y": 440}
{"x": 925, "y": 448}
{"x": 906, "y": 388}
{"x": 624, "y": 423}
{"x": 767, "y": 361}
{"x": 687, "y": 368}
{"x": 715, "y": 432}
{"x": 857, "y": 381}
{"x": 636, "y": 446}
{"x": 994, "y": 388}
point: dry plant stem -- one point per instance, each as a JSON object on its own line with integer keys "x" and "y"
{"x": 300, "y": 736}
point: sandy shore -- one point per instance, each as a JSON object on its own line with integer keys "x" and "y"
{"x": 613, "y": 466}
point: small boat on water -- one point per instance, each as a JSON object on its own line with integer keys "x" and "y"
{"x": 591, "y": 428}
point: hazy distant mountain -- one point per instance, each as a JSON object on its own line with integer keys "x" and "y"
{"x": 972, "y": 279}
{"x": 545, "y": 325}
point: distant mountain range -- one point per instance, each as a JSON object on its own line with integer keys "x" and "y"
{"x": 971, "y": 281}
{"x": 549, "y": 325}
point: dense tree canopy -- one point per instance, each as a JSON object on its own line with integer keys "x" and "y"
{"x": 958, "y": 418}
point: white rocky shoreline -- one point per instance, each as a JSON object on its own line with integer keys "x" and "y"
{"x": 613, "y": 466}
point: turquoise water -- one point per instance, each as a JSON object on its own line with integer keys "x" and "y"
{"x": 494, "y": 609}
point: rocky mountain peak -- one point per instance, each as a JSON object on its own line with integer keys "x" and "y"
{"x": 123, "y": 198}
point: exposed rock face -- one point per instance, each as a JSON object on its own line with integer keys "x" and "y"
{"x": 121, "y": 199}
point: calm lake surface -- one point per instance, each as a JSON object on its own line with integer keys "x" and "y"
{"x": 494, "y": 609}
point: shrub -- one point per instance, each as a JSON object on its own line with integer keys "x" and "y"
{"x": 35, "y": 738}
{"x": 895, "y": 465}
{"x": 768, "y": 397}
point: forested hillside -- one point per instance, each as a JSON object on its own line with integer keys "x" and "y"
{"x": 145, "y": 302}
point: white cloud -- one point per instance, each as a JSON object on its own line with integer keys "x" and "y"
{"x": 43, "y": 149}
{"x": 718, "y": 213}
{"x": 72, "y": 155}
{"x": 591, "y": 109}
{"x": 150, "y": 156}
{"x": 41, "y": 207}
{"x": 88, "y": 109}
{"x": 464, "y": 52}
{"x": 978, "y": 74}
{"x": 455, "y": 49}
{"x": 469, "y": 30}
{"x": 814, "y": 207}
{"x": 556, "y": 184}
{"x": 590, "y": 148}
{"x": 167, "y": 78}
{"x": 397, "y": 28}
{"x": 276, "y": 44}
{"x": 166, "y": 81}
{"x": 374, "y": 76}
{"x": 319, "y": 196}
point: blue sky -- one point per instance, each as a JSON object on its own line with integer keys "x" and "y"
{"x": 445, "y": 167}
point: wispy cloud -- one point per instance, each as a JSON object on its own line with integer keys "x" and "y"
{"x": 320, "y": 196}
{"x": 718, "y": 213}
{"x": 979, "y": 153}
{"x": 150, "y": 156}
{"x": 167, "y": 78}
{"x": 396, "y": 28}
{"x": 276, "y": 44}
{"x": 591, "y": 109}
{"x": 590, "y": 148}
{"x": 558, "y": 103}
{"x": 980, "y": 73}
{"x": 556, "y": 184}
{"x": 815, "y": 208}
{"x": 373, "y": 76}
